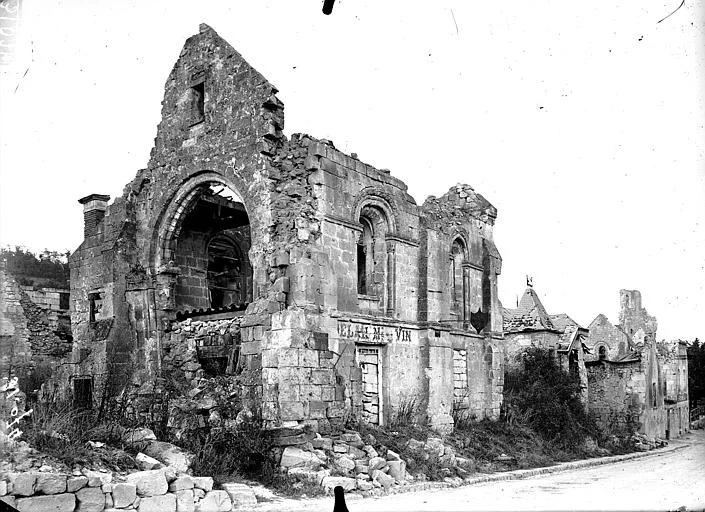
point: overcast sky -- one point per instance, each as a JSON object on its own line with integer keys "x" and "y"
{"x": 582, "y": 122}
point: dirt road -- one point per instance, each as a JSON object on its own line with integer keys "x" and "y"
{"x": 658, "y": 482}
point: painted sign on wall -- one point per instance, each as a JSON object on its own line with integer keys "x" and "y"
{"x": 371, "y": 333}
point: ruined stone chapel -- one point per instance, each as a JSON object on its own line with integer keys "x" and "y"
{"x": 312, "y": 276}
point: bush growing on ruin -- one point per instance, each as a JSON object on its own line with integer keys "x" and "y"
{"x": 541, "y": 394}
{"x": 243, "y": 450}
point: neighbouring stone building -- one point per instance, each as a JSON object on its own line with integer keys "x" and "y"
{"x": 530, "y": 325}
{"x": 635, "y": 382}
{"x": 312, "y": 276}
{"x": 35, "y": 330}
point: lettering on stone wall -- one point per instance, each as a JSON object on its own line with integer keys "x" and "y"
{"x": 369, "y": 333}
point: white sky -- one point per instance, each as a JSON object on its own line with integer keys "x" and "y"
{"x": 582, "y": 122}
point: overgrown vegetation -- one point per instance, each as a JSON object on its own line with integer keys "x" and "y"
{"x": 47, "y": 269}
{"x": 696, "y": 373}
{"x": 243, "y": 450}
{"x": 538, "y": 393}
{"x": 76, "y": 436}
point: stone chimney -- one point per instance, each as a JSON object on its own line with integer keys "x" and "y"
{"x": 94, "y": 207}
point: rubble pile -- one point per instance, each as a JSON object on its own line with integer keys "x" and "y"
{"x": 354, "y": 463}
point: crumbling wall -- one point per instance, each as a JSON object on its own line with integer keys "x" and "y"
{"x": 632, "y": 316}
{"x": 15, "y": 349}
{"x": 603, "y": 332}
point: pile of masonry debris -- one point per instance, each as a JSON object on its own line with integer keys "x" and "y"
{"x": 163, "y": 484}
{"x": 348, "y": 461}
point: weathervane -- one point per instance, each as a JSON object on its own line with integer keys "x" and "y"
{"x": 529, "y": 281}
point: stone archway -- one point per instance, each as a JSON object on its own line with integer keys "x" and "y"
{"x": 198, "y": 212}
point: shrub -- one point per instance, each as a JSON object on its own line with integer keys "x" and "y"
{"x": 245, "y": 450}
{"x": 541, "y": 394}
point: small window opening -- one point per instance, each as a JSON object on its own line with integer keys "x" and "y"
{"x": 602, "y": 351}
{"x": 83, "y": 392}
{"x": 95, "y": 306}
{"x": 653, "y": 393}
{"x": 365, "y": 260}
{"x": 573, "y": 362}
{"x": 64, "y": 301}
{"x": 361, "y": 269}
{"x": 198, "y": 103}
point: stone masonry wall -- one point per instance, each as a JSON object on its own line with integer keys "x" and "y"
{"x": 15, "y": 350}
{"x": 156, "y": 490}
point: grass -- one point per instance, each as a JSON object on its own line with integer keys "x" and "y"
{"x": 61, "y": 431}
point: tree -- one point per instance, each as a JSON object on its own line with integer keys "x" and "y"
{"x": 48, "y": 269}
{"x": 696, "y": 373}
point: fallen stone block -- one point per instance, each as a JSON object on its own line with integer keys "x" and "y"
{"x": 383, "y": 478}
{"x": 163, "y": 503}
{"x": 365, "y": 485}
{"x": 296, "y": 457}
{"x": 215, "y": 501}
{"x": 169, "y": 454}
{"x": 370, "y": 451}
{"x": 377, "y": 463}
{"x": 340, "y": 448}
{"x": 344, "y": 464}
{"x": 356, "y": 453}
{"x": 97, "y": 478}
{"x": 124, "y": 494}
{"x": 392, "y": 455}
{"x": 353, "y": 439}
{"x": 138, "y": 436}
{"x": 54, "y": 503}
{"x": 242, "y": 496}
{"x": 322, "y": 443}
{"x": 397, "y": 470}
{"x": 149, "y": 483}
{"x": 203, "y": 482}
{"x": 331, "y": 482}
{"x": 145, "y": 462}
{"x": 309, "y": 475}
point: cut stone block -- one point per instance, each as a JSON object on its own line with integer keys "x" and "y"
{"x": 149, "y": 483}
{"x": 164, "y": 503}
{"x": 55, "y": 503}
{"x": 90, "y": 499}
{"x": 124, "y": 494}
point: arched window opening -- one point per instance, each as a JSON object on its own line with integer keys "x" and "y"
{"x": 211, "y": 249}
{"x": 457, "y": 283}
{"x": 653, "y": 394}
{"x": 372, "y": 256}
{"x": 365, "y": 258}
{"x": 602, "y": 352}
